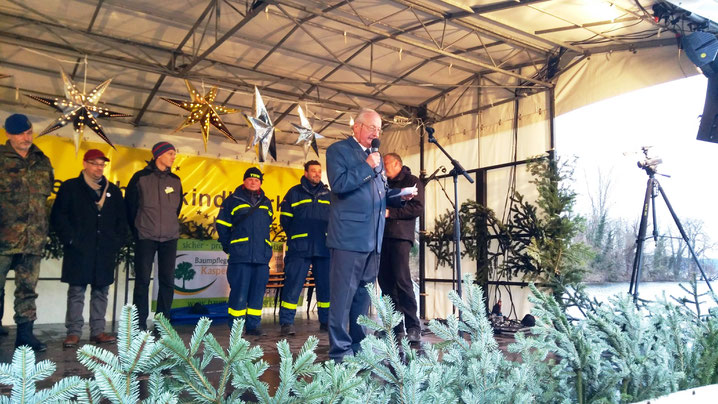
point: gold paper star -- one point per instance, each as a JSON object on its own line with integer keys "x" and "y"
{"x": 80, "y": 109}
{"x": 201, "y": 110}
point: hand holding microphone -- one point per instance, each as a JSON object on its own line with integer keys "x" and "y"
{"x": 374, "y": 159}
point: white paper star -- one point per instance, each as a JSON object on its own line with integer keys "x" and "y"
{"x": 263, "y": 130}
{"x": 80, "y": 109}
{"x": 306, "y": 134}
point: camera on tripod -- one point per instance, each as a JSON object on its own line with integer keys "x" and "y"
{"x": 649, "y": 163}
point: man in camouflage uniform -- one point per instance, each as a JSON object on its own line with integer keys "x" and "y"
{"x": 26, "y": 180}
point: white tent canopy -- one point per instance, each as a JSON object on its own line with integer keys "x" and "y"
{"x": 488, "y": 75}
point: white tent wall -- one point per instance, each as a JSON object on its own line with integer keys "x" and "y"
{"x": 52, "y": 294}
{"x": 480, "y": 140}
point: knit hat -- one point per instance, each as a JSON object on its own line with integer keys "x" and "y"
{"x": 16, "y": 124}
{"x": 254, "y": 173}
{"x": 94, "y": 154}
{"x": 161, "y": 148}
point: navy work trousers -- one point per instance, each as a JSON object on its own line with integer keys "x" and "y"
{"x": 295, "y": 273}
{"x": 247, "y": 283}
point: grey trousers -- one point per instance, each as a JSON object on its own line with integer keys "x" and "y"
{"x": 76, "y": 304}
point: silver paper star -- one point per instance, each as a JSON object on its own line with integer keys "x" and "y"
{"x": 80, "y": 109}
{"x": 263, "y": 130}
{"x": 201, "y": 110}
{"x": 306, "y": 134}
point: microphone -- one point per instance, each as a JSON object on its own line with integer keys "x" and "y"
{"x": 433, "y": 175}
{"x": 375, "y": 145}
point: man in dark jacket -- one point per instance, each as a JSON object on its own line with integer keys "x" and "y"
{"x": 26, "y": 179}
{"x": 394, "y": 273}
{"x": 243, "y": 229}
{"x": 154, "y": 199}
{"x": 304, "y": 215}
{"x": 359, "y": 197}
{"x": 89, "y": 217}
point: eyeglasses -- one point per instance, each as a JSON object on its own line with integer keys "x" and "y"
{"x": 371, "y": 128}
{"x": 103, "y": 164}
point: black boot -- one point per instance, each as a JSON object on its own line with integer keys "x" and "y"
{"x": 25, "y": 337}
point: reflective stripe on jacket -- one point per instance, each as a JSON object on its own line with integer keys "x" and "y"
{"x": 304, "y": 216}
{"x": 243, "y": 227}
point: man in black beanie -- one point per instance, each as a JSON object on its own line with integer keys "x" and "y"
{"x": 243, "y": 229}
{"x": 154, "y": 200}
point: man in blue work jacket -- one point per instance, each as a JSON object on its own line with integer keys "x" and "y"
{"x": 356, "y": 225}
{"x": 243, "y": 228}
{"x": 304, "y": 215}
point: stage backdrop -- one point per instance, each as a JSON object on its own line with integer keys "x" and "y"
{"x": 206, "y": 181}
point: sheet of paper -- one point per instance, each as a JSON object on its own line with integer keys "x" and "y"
{"x": 406, "y": 191}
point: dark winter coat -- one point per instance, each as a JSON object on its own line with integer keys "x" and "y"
{"x": 243, "y": 227}
{"x": 402, "y": 221}
{"x": 25, "y": 185}
{"x": 154, "y": 200}
{"x": 91, "y": 238}
{"x": 304, "y": 215}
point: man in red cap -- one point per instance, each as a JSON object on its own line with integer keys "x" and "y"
{"x": 89, "y": 217}
{"x": 26, "y": 179}
{"x": 154, "y": 199}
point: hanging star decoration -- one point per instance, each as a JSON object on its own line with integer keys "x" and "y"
{"x": 80, "y": 109}
{"x": 306, "y": 134}
{"x": 201, "y": 110}
{"x": 263, "y": 130}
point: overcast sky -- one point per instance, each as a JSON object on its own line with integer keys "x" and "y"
{"x": 608, "y": 136}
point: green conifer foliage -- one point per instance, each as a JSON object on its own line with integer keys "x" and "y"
{"x": 619, "y": 353}
{"x": 117, "y": 376}
{"x": 23, "y": 373}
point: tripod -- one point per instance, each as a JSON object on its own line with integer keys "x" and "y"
{"x": 653, "y": 187}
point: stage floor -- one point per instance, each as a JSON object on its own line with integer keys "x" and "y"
{"x": 67, "y": 364}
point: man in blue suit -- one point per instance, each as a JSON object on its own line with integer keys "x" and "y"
{"x": 356, "y": 226}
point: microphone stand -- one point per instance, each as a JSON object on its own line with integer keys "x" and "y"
{"x": 455, "y": 172}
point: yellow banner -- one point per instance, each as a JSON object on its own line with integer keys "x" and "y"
{"x": 206, "y": 182}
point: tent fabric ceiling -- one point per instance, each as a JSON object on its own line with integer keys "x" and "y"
{"x": 331, "y": 57}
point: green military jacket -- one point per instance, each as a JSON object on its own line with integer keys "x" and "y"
{"x": 25, "y": 185}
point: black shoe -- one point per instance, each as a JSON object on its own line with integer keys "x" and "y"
{"x": 414, "y": 335}
{"x": 256, "y": 332}
{"x": 324, "y": 327}
{"x": 25, "y": 337}
{"x": 287, "y": 329}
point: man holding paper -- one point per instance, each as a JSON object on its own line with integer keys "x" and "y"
{"x": 394, "y": 273}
